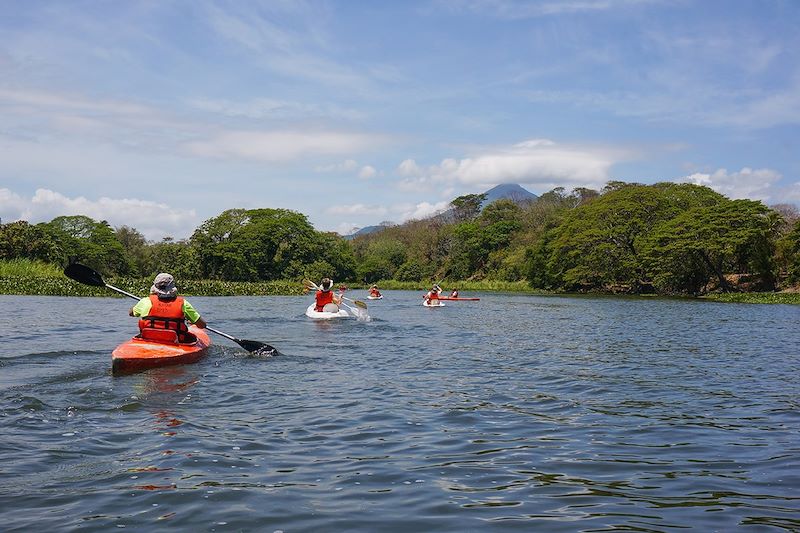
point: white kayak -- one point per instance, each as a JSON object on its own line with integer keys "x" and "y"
{"x": 430, "y": 303}
{"x": 370, "y": 297}
{"x": 340, "y": 313}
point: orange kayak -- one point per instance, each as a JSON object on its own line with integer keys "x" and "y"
{"x": 158, "y": 349}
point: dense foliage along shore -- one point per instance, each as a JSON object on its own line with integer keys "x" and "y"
{"x": 40, "y": 279}
{"x": 33, "y": 278}
{"x": 629, "y": 238}
{"x": 32, "y": 285}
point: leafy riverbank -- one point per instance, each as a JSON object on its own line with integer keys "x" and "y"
{"x": 49, "y": 283}
{"x": 26, "y": 277}
{"x": 756, "y": 297}
{"x": 62, "y": 286}
{"x": 35, "y": 278}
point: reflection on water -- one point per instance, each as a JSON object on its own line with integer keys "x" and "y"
{"x": 521, "y": 412}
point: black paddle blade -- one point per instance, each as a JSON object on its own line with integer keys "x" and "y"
{"x": 258, "y": 348}
{"x": 84, "y": 274}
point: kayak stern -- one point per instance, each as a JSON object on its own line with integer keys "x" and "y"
{"x": 139, "y": 354}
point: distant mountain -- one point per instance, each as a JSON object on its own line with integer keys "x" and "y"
{"x": 508, "y": 191}
{"x": 364, "y": 231}
{"x": 504, "y": 191}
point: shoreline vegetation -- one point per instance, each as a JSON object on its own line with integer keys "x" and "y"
{"x": 666, "y": 239}
{"x": 35, "y": 278}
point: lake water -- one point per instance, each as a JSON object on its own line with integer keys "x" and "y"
{"x": 517, "y": 412}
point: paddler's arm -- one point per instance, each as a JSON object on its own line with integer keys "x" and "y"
{"x": 142, "y": 308}
{"x": 192, "y": 315}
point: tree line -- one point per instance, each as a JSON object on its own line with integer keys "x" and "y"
{"x": 664, "y": 238}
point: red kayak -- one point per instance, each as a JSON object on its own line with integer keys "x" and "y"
{"x": 459, "y": 298}
{"x": 158, "y": 348}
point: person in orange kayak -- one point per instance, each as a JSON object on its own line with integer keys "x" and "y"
{"x": 325, "y": 295}
{"x": 163, "y": 309}
{"x": 454, "y": 294}
{"x": 373, "y": 291}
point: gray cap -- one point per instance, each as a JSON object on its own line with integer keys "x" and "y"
{"x": 164, "y": 286}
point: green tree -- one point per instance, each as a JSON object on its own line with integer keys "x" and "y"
{"x": 467, "y": 207}
{"x": 789, "y": 245}
{"x": 216, "y": 244}
{"x": 704, "y": 243}
{"x": 136, "y": 248}
{"x": 380, "y": 258}
{"x": 21, "y": 240}
{"x": 178, "y": 258}
{"x": 486, "y": 238}
{"x": 413, "y": 270}
{"x": 266, "y": 244}
{"x": 598, "y": 244}
{"x": 91, "y": 242}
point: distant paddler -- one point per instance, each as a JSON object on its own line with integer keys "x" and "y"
{"x": 325, "y": 296}
{"x": 431, "y": 298}
{"x": 374, "y": 293}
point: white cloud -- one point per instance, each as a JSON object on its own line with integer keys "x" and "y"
{"x": 346, "y": 228}
{"x": 758, "y": 184}
{"x": 12, "y": 205}
{"x": 154, "y": 220}
{"x": 706, "y": 105}
{"x": 424, "y": 210}
{"x": 348, "y": 165}
{"x": 49, "y": 116}
{"x": 409, "y": 167}
{"x": 536, "y": 162}
{"x": 367, "y": 172}
{"x": 356, "y": 209}
{"x": 261, "y": 108}
{"x": 297, "y": 47}
{"x": 37, "y": 99}
{"x": 276, "y": 146}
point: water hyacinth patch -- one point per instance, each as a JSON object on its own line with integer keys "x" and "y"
{"x": 27, "y": 285}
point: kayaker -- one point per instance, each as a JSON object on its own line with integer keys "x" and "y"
{"x": 164, "y": 309}
{"x": 373, "y": 291}
{"x": 454, "y": 294}
{"x": 325, "y": 295}
{"x": 433, "y": 294}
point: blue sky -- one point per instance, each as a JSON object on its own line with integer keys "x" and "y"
{"x": 161, "y": 115}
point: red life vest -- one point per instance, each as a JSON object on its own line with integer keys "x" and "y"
{"x": 167, "y": 314}
{"x": 323, "y": 297}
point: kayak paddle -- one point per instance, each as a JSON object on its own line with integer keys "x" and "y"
{"x": 87, "y": 276}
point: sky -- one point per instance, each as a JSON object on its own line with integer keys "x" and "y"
{"x": 160, "y": 115}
